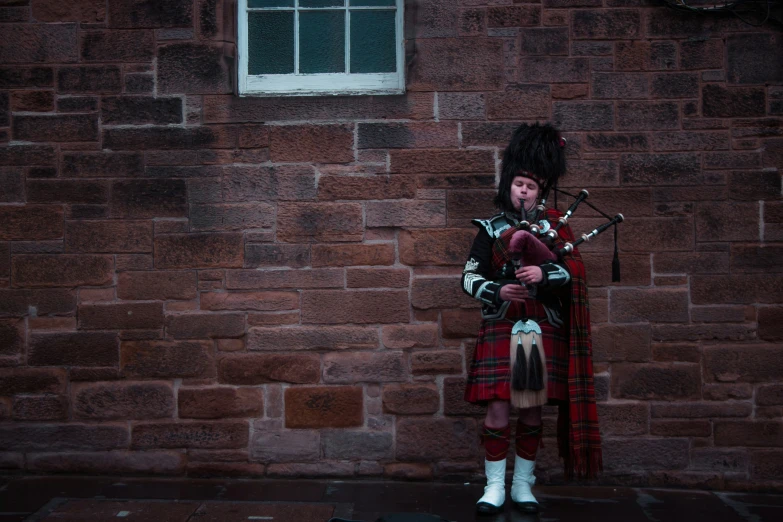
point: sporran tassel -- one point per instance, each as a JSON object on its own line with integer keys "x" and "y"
{"x": 519, "y": 372}
{"x": 535, "y": 381}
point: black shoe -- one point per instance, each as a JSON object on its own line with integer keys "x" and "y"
{"x": 527, "y": 507}
{"x": 485, "y": 508}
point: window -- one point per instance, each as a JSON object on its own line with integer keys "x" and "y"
{"x": 307, "y": 47}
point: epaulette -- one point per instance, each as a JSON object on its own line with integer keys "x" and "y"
{"x": 494, "y": 225}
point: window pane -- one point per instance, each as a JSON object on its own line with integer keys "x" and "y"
{"x": 321, "y": 42}
{"x": 270, "y": 42}
{"x": 372, "y": 2}
{"x": 270, "y": 3}
{"x": 373, "y": 42}
{"x": 321, "y": 3}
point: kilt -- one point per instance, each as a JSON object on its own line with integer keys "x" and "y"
{"x": 489, "y": 376}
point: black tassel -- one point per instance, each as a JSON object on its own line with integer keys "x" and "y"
{"x": 519, "y": 373}
{"x": 535, "y": 380}
{"x": 615, "y": 260}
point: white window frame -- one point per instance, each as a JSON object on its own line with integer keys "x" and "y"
{"x": 325, "y": 83}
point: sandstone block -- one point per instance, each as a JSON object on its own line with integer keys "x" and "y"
{"x": 277, "y": 255}
{"x": 513, "y": 16}
{"x": 357, "y": 367}
{"x": 284, "y": 279}
{"x": 324, "y": 407}
{"x": 349, "y": 306}
{"x": 39, "y": 43}
{"x": 400, "y": 337}
{"x": 435, "y": 247}
{"x": 156, "y": 285}
{"x": 654, "y": 305}
{"x": 624, "y": 419}
{"x": 319, "y": 222}
{"x": 439, "y": 292}
{"x": 229, "y": 109}
{"x": 116, "y": 462}
{"x": 600, "y": 24}
{"x": 117, "y": 46}
{"x": 202, "y": 250}
{"x": 207, "y": 435}
{"x": 161, "y": 359}
{"x": 729, "y": 102}
{"x": 406, "y": 214}
{"x": 349, "y": 255}
{"x": 140, "y": 110}
{"x": 743, "y": 363}
{"x": 436, "y": 67}
{"x": 347, "y": 444}
{"x": 736, "y": 289}
{"x": 139, "y": 13}
{"x": 377, "y": 277}
{"x": 220, "y": 402}
{"x": 12, "y": 336}
{"x": 407, "y": 135}
{"x": 73, "y": 349}
{"x": 750, "y": 59}
{"x": 526, "y": 101}
{"x": 40, "y": 408}
{"x": 93, "y": 79}
{"x": 140, "y": 199}
{"x": 253, "y": 369}
{"x": 312, "y": 143}
{"x": 441, "y": 161}
{"x": 411, "y": 399}
{"x": 32, "y": 101}
{"x": 334, "y": 187}
{"x": 205, "y": 325}
{"x": 644, "y": 115}
{"x": 460, "y": 323}
{"x": 656, "y": 381}
{"x": 63, "y": 437}
{"x": 748, "y": 433}
{"x": 102, "y": 164}
{"x": 646, "y": 454}
{"x": 436, "y": 363}
{"x": 576, "y": 116}
{"x": 622, "y": 343}
{"x": 428, "y": 440}
{"x": 122, "y": 401}
{"x": 285, "y": 446}
{"x": 117, "y": 316}
{"x": 193, "y": 68}
{"x": 312, "y": 338}
{"x": 108, "y": 236}
{"x": 17, "y": 302}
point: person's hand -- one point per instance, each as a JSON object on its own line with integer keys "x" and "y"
{"x": 530, "y": 275}
{"x": 513, "y": 292}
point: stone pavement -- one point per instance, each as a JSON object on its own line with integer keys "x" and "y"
{"x": 74, "y": 499}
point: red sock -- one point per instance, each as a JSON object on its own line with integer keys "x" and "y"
{"x": 527, "y": 440}
{"x": 496, "y": 442}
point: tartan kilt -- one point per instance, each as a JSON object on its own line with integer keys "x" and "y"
{"x": 489, "y": 376}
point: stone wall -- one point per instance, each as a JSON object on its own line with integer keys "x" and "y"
{"x": 197, "y": 283}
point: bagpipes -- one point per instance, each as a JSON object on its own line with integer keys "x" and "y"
{"x": 531, "y": 245}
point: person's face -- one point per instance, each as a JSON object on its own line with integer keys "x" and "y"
{"x": 524, "y": 189}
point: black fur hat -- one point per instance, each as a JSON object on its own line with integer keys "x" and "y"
{"x": 535, "y": 151}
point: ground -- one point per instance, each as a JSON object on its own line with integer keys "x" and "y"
{"x": 73, "y": 499}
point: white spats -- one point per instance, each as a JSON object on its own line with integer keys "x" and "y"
{"x": 521, "y": 494}
{"x": 495, "y": 490}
